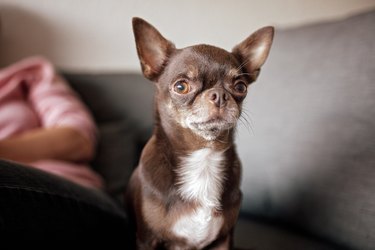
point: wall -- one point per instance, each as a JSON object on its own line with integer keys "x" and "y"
{"x": 96, "y": 35}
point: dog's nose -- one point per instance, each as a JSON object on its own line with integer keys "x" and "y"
{"x": 219, "y": 97}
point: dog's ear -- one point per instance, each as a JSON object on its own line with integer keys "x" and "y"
{"x": 253, "y": 51}
{"x": 153, "y": 49}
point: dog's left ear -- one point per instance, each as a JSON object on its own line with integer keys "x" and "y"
{"x": 254, "y": 50}
{"x": 153, "y": 49}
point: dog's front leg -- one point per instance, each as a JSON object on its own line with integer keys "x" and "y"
{"x": 145, "y": 239}
{"x": 148, "y": 244}
{"x": 226, "y": 243}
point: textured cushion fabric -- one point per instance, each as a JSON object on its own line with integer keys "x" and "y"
{"x": 116, "y": 156}
{"x": 122, "y": 106}
{"x": 308, "y": 149}
{"x": 114, "y": 97}
{"x": 39, "y": 207}
{"x": 256, "y": 235}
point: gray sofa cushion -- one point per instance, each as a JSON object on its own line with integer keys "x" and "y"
{"x": 309, "y": 154}
{"x": 116, "y": 156}
{"x": 114, "y": 97}
{"x": 258, "y": 235}
{"x": 122, "y": 107}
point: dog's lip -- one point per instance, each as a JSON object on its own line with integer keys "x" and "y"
{"x": 211, "y": 121}
{"x": 212, "y": 124}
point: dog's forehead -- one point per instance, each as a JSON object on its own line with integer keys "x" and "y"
{"x": 203, "y": 59}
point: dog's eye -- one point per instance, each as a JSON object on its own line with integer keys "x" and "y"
{"x": 240, "y": 87}
{"x": 182, "y": 87}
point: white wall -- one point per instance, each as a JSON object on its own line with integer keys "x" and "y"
{"x": 96, "y": 35}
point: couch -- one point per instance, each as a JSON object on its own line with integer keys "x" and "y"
{"x": 306, "y": 140}
{"x": 307, "y": 144}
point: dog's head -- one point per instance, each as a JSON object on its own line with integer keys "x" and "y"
{"x": 201, "y": 87}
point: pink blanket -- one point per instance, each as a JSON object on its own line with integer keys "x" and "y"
{"x": 32, "y": 95}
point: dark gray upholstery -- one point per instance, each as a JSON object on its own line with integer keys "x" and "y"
{"x": 307, "y": 147}
{"x": 257, "y": 235}
{"x": 116, "y": 97}
{"x": 309, "y": 157}
{"x": 122, "y": 106}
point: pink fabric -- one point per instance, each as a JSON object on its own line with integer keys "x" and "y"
{"x": 32, "y": 95}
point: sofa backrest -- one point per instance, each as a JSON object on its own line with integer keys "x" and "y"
{"x": 122, "y": 105}
{"x": 308, "y": 150}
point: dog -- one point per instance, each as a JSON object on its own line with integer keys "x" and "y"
{"x": 185, "y": 192}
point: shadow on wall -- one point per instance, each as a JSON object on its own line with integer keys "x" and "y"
{"x": 24, "y": 34}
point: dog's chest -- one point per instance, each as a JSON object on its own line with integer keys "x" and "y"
{"x": 200, "y": 180}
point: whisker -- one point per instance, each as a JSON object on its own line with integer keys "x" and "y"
{"x": 247, "y": 115}
{"x": 246, "y": 120}
{"x": 245, "y": 124}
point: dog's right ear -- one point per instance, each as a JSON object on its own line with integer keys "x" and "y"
{"x": 153, "y": 49}
{"x": 254, "y": 50}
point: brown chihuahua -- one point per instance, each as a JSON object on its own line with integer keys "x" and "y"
{"x": 185, "y": 192}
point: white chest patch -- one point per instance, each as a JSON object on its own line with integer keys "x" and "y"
{"x": 199, "y": 228}
{"x": 200, "y": 179}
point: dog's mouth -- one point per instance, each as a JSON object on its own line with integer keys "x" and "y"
{"x": 211, "y": 128}
{"x": 212, "y": 124}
